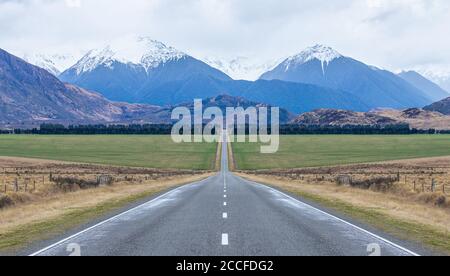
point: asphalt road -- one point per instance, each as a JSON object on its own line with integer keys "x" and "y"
{"x": 224, "y": 216}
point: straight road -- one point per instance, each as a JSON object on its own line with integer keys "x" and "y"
{"x": 225, "y": 215}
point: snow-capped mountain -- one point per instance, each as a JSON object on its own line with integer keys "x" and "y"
{"x": 132, "y": 69}
{"x": 324, "y": 66}
{"x": 30, "y": 94}
{"x": 318, "y": 52}
{"x": 143, "y": 52}
{"x": 241, "y": 68}
{"x": 54, "y": 64}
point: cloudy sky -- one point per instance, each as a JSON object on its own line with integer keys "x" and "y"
{"x": 392, "y": 34}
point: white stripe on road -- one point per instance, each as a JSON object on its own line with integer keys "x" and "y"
{"x": 224, "y": 215}
{"x": 224, "y": 204}
{"x": 224, "y": 196}
{"x": 224, "y": 239}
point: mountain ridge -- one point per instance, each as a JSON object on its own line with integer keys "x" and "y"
{"x": 323, "y": 66}
{"x": 433, "y": 91}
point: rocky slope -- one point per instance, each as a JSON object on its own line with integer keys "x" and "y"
{"x": 334, "y": 117}
{"x": 442, "y": 106}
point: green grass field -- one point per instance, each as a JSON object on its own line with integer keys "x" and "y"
{"x": 137, "y": 151}
{"x": 328, "y": 150}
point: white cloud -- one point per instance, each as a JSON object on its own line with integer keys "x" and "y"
{"x": 392, "y": 34}
{"x": 73, "y": 3}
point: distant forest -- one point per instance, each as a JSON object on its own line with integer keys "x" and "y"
{"x": 165, "y": 129}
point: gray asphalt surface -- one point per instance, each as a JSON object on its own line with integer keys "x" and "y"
{"x": 224, "y": 216}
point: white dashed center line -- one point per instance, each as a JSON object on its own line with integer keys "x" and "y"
{"x": 224, "y": 196}
{"x": 225, "y": 215}
{"x": 224, "y": 239}
{"x": 224, "y": 204}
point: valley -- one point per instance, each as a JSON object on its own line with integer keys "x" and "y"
{"x": 86, "y": 159}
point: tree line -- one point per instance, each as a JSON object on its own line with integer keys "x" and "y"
{"x": 166, "y": 129}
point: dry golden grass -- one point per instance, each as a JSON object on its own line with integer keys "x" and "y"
{"x": 231, "y": 160}
{"x": 426, "y": 120}
{"x": 218, "y": 157}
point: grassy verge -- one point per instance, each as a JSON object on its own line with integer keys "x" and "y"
{"x": 218, "y": 157}
{"x": 231, "y": 161}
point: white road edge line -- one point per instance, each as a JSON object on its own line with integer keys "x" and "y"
{"x": 224, "y": 239}
{"x": 339, "y": 219}
{"x": 113, "y": 218}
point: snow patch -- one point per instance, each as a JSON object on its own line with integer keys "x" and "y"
{"x": 53, "y": 63}
{"x": 241, "y": 68}
{"x": 321, "y": 53}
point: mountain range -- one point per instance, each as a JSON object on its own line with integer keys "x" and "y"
{"x": 29, "y": 94}
{"x": 134, "y": 79}
{"x": 150, "y": 72}
{"x": 323, "y": 66}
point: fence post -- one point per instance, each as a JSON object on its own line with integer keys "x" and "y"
{"x": 34, "y": 185}
{"x": 433, "y": 185}
{"x": 414, "y": 185}
{"x": 16, "y": 185}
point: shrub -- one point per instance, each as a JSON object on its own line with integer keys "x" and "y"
{"x": 377, "y": 183}
{"x": 72, "y": 183}
{"x": 5, "y": 201}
